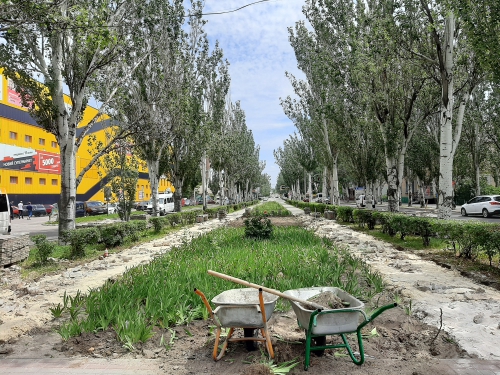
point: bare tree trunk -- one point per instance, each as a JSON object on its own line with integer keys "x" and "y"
{"x": 309, "y": 186}
{"x": 448, "y": 139}
{"x": 324, "y": 179}
{"x": 393, "y": 186}
{"x": 178, "y": 194}
{"x": 154, "y": 174}
{"x": 335, "y": 180}
{"x": 68, "y": 184}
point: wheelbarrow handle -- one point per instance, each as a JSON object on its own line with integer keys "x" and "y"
{"x": 207, "y": 305}
{"x": 376, "y": 313}
{"x": 268, "y": 290}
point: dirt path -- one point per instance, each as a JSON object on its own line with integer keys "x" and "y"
{"x": 471, "y": 312}
{"x": 25, "y": 306}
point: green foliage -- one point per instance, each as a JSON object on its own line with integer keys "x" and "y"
{"x": 424, "y": 228}
{"x": 401, "y": 224}
{"x": 43, "y": 249}
{"x": 345, "y": 214}
{"x": 157, "y": 222}
{"x": 114, "y": 235}
{"x": 490, "y": 242}
{"x": 490, "y": 190}
{"x": 161, "y": 293}
{"x": 79, "y": 238}
{"x": 258, "y": 227}
{"x": 270, "y": 209}
{"x": 364, "y": 217}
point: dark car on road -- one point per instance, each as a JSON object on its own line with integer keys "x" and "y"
{"x": 38, "y": 210}
{"x": 141, "y": 205}
{"x": 95, "y": 208}
{"x": 79, "y": 209}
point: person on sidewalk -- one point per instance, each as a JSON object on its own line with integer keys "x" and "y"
{"x": 11, "y": 210}
{"x": 29, "y": 207}
{"x": 20, "y": 206}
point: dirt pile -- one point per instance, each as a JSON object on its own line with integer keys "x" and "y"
{"x": 327, "y": 299}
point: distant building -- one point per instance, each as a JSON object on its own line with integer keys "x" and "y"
{"x": 30, "y": 163}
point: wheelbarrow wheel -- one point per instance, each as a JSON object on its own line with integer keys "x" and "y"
{"x": 250, "y": 345}
{"x": 318, "y": 341}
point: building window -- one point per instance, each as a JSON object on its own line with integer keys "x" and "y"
{"x": 42, "y": 181}
{"x": 13, "y": 179}
{"x": 54, "y": 144}
{"x": 41, "y": 142}
{"x": 28, "y": 181}
{"x": 13, "y": 135}
{"x": 28, "y": 138}
{"x": 54, "y": 181}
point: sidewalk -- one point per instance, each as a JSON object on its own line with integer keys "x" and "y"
{"x": 89, "y": 366}
{"x": 81, "y": 366}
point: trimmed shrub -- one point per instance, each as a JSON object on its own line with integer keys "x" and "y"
{"x": 362, "y": 218}
{"x": 157, "y": 223}
{"x": 79, "y": 238}
{"x": 258, "y": 227}
{"x": 424, "y": 228}
{"x": 401, "y": 224}
{"x": 345, "y": 214}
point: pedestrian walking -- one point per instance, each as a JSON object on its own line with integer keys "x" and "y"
{"x": 29, "y": 207}
{"x": 11, "y": 210}
{"x": 20, "y": 206}
{"x": 373, "y": 201}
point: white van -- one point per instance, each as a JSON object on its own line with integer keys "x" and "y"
{"x": 4, "y": 213}
{"x": 165, "y": 204}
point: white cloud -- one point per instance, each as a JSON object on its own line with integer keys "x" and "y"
{"x": 255, "y": 42}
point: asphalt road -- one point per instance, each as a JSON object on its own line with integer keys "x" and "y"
{"x": 36, "y": 225}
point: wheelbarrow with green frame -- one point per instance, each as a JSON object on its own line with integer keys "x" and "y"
{"x": 321, "y": 323}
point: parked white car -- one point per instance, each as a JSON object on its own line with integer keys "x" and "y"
{"x": 485, "y": 205}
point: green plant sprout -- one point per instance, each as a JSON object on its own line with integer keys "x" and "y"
{"x": 57, "y": 310}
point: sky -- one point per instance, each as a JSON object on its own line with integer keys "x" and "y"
{"x": 255, "y": 42}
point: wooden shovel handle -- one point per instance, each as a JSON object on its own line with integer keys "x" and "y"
{"x": 268, "y": 290}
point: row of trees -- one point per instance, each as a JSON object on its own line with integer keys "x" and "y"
{"x": 151, "y": 68}
{"x": 393, "y": 90}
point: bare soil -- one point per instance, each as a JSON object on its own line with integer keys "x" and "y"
{"x": 328, "y": 300}
{"x": 403, "y": 345}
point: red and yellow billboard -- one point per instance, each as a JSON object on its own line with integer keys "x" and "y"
{"x": 27, "y": 159}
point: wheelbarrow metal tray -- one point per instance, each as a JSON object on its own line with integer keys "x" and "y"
{"x": 327, "y": 324}
{"x": 240, "y": 307}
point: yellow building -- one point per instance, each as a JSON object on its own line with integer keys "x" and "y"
{"x": 30, "y": 160}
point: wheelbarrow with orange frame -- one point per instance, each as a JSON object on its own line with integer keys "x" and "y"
{"x": 244, "y": 308}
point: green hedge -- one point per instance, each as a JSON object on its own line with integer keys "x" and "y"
{"x": 467, "y": 238}
{"x": 117, "y": 234}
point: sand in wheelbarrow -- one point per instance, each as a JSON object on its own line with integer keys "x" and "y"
{"x": 327, "y": 299}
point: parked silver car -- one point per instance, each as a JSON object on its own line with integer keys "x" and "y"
{"x": 485, "y": 205}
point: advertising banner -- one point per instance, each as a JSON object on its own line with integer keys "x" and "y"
{"x": 12, "y": 96}
{"x": 27, "y": 159}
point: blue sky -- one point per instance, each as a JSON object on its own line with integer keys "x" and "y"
{"x": 255, "y": 42}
